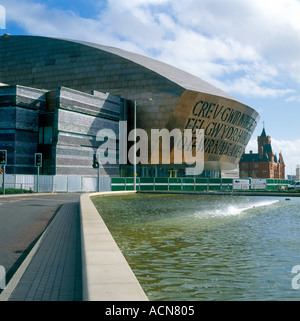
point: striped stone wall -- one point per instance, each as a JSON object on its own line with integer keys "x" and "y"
{"x": 78, "y": 119}
{"x": 61, "y": 124}
{"x": 19, "y": 123}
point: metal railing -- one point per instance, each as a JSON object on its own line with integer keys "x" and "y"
{"x": 57, "y": 183}
{"x": 197, "y": 184}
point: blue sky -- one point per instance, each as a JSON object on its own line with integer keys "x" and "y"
{"x": 249, "y": 48}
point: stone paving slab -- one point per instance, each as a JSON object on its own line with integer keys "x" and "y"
{"x": 54, "y": 272}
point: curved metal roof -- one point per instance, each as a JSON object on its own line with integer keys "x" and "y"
{"x": 178, "y": 76}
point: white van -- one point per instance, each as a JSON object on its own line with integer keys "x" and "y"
{"x": 294, "y": 185}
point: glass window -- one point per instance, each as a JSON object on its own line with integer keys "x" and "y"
{"x": 45, "y": 135}
{"x": 41, "y": 135}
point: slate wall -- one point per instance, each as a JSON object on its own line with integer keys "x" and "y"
{"x": 79, "y": 117}
{"x": 74, "y": 118}
{"x": 19, "y": 123}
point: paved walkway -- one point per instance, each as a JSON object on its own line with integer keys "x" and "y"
{"x": 52, "y": 271}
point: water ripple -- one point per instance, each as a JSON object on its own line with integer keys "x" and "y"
{"x": 188, "y": 247}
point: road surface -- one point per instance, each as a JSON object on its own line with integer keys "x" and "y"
{"x": 22, "y": 221}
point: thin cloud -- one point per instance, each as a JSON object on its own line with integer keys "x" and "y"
{"x": 224, "y": 42}
{"x": 295, "y": 98}
{"x": 289, "y": 149}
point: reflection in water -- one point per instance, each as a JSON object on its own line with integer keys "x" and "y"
{"x": 192, "y": 247}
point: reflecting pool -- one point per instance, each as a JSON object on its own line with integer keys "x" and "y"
{"x": 194, "y": 247}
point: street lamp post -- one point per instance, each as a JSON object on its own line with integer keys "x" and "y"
{"x": 134, "y": 146}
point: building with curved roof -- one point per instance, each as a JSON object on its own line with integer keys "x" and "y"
{"x": 178, "y": 99}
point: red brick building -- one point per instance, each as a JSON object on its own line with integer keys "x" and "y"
{"x": 264, "y": 164}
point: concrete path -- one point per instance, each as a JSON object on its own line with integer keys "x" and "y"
{"x": 52, "y": 270}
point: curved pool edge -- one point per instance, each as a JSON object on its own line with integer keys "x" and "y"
{"x": 106, "y": 275}
{"x": 218, "y": 193}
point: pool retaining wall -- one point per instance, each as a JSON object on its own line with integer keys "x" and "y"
{"x": 106, "y": 275}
